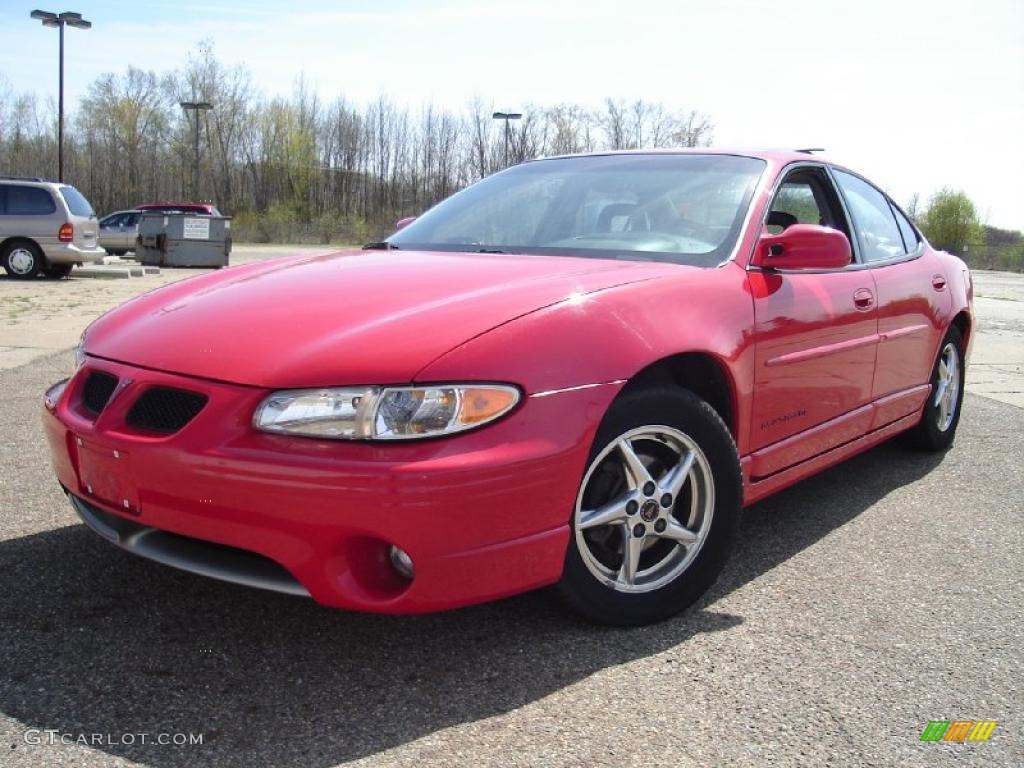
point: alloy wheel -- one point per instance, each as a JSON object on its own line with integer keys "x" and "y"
{"x": 644, "y": 509}
{"x": 947, "y": 387}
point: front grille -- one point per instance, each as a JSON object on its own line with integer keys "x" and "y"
{"x": 98, "y": 388}
{"x": 166, "y": 410}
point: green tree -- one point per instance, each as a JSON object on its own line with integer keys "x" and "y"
{"x": 950, "y": 221}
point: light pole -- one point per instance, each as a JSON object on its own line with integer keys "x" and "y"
{"x": 195, "y": 106}
{"x": 60, "y": 20}
{"x": 506, "y": 116}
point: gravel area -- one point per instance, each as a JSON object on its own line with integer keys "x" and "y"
{"x": 40, "y": 316}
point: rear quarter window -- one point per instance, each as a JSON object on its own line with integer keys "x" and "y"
{"x": 76, "y": 201}
{"x": 27, "y": 201}
{"x": 910, "y": 239}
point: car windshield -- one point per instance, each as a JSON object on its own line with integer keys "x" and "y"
{"x": 76, "y": 201}
{"x": 682, "y": 208}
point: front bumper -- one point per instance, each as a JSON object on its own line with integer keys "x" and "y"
{"x": 482, "y": 515}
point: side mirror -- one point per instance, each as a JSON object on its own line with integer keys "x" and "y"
{"x": 803, "y": 246}
{"x": 403, "y": 223}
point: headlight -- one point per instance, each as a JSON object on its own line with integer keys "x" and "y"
{"x": 79, "y": 355}
{"x": 384, "y": 413}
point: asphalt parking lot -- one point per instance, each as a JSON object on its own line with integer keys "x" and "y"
{"x": 859, "y": 605}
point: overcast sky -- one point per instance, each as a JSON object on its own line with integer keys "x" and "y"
{"x": 914, "y": 94}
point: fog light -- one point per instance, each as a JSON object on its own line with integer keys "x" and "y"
{"x": 402, "y": 562}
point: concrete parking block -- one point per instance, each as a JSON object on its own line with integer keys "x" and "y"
{"x": 102, "y": 272}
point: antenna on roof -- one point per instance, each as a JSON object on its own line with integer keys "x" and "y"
{"x": 810, "y": 150}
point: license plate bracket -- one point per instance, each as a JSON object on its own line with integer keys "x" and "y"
{"x": 105, "y": 473}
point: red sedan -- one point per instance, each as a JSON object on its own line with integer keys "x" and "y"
{"x": 574, "y": 372}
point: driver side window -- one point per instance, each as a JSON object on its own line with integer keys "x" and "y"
{"x": 806, "y": 196}
{"x": 795, "y": 201}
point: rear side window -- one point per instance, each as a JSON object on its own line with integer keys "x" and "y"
{"x": 907, "y": 230}
{"x": 76, "y": 201}
{"x": 880, "y": 237}
{"x": 27, "y": 201}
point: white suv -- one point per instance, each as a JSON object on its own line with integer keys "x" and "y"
{"x": 45, "y": 227}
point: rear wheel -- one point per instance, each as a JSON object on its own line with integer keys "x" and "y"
{"x": 937, "y": 428}
{"x": 657, "y": 511}
{"x": 21, "y": 259}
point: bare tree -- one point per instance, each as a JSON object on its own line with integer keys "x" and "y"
{"x": 295, "y": 167}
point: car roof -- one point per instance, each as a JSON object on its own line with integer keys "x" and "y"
{"x": 31, "y": 181}
{"x": 173, "y": 204}
{"x": 780, "y": 156}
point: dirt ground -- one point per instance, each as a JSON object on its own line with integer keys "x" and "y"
{"x": 40, "y": 317}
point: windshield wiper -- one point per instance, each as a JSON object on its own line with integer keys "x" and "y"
{"x": 383, "y": 245}
{"x": 489, "y": 250}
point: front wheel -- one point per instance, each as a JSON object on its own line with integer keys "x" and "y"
{"x": 937, "y": 428}
{"x": 657, "y": 511}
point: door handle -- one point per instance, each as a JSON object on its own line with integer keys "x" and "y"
{"x": 863, "y": 299}
{"x": 938, "y": 282}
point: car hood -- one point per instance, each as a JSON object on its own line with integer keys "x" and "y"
{"x": 358, "y": 317}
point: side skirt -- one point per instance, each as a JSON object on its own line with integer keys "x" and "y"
{"x": 755, "y": 490}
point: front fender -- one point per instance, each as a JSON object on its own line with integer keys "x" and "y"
{"x": 611, "y": 335}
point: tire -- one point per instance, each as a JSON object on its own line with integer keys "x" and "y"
{"x": 686, "y": 453}
{"x": 21, "y": 259}
{"x": 937, "y": 428}
{"x": 57, "y": 271}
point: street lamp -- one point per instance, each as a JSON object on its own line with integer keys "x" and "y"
{"x": 60, "y": 20}
{"x": 195, "y": 106}
{"x": 506, "y": 116}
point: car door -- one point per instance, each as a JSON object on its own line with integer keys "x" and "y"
{"x": 31, "y": 212}
{"x": 911, "y": 296}
{"x": 130, "y": 230}
{"x": 6, "y": 229}
{"x": 108, "y": 229}
{"x": 123, "y": 231}
{"x": 816, "y": 334}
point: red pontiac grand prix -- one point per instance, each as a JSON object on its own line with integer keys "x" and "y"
{"x": 574, "y": 372}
